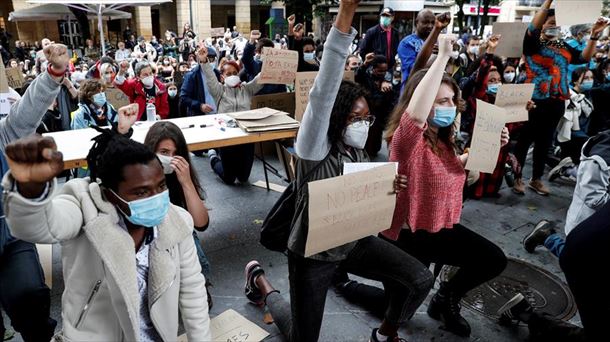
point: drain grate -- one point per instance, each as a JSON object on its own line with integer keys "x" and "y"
{"x": 543, "y": 290}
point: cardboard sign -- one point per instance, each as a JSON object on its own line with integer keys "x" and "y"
{"x": 485, "y": 146}
{"x": 14, "y": 78}
{"x": 279, "y": 66}
{"x": 302, "y": 86}
{"x": 217, "y": 32}
{"x": 511, "y": 42}
{"x": 347, "y": 208}
{"x": 573, "y": 12}
{"x": 5, "y": 105}
{"x": 283, "y": 102}
{"x": 513, "y": 98}
{"x": 116, "y": 97}
{"x": 3, "y": 81}
{"x": 233, "y": 327}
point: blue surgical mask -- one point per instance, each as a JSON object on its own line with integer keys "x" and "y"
{"x": 385, "y": 21}
{"x": 147, "y": 212}
{"x": 492, "y": 88}
{"x": 309, "y": 56}
{"x": 99, "y": 99}
{"x": 443, "y": 116}
{"x": 586, "y": 85}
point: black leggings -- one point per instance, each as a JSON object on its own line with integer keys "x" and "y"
{"x": 582, "y": 260}
{"x": 478, "y": 259}
{"x": 539, "y": 130}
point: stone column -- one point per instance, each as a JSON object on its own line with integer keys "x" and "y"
{"x": 202, "y": 17}
{"x": 183, "y": 15}
{"x": 242, "y": 16}
{"x": 143, "y": 22}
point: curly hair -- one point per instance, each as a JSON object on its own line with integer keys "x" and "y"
{"x": 111, "y": 152}
{"x": 348, "y": 93}
{"x": 89, "y": 88}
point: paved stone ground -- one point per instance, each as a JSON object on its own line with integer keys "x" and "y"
{"x": 232, "y": 240}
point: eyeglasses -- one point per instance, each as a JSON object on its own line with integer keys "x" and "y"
{"x": 368, "y": 120}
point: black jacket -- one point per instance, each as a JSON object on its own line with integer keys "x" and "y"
{"x": 376, "y": 41}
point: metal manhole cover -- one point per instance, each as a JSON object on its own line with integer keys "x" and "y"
{"x": 543, "y": 290}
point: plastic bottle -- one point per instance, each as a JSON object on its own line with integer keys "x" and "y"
{"x": 151, "y": 112}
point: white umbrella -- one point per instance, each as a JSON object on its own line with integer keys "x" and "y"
{"x": 99, "y": 8}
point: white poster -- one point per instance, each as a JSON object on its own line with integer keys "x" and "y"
{"x": 403, "y": 5}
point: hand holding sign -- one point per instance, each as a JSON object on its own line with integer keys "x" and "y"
{"x": 279, "y": 66}
{"x": 487, "y": 138}
{"x": 515, "y": 99}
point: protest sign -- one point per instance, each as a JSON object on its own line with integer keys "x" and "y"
{"x": 14, "y": 78}
{"x": 3, "y": 81}
{"x": 230, "y": 326}
{"x": 513, "y": 98}
{"x": 5, "y": 105}
{"x": 283, "y": 102}
{"x": 573, "y": 12}
{"x": 511, "y": 42}
{"x": 279, "y": 66}
{"x": 302, "y": 86}
{"x": 347, "y": 208}
{"x": 116, "y": 97}
{"x": 485, "y": 146}
{"x": 217, "y": 32}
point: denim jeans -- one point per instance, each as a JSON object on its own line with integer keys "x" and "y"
{"x": 23, "y": 293}
{"x": 555, "y": 243}
{"x": 203, "y": 260}
{"x": 235, "y": 163}
{"x": 406, "y": 282}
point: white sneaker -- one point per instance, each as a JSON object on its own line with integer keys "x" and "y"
{"x": 556, "y": 171}
{"x": 212, "y": 153}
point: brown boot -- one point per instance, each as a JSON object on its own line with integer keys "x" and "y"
{"x": 519, "y": 187}
{"x": 539, "y": 187}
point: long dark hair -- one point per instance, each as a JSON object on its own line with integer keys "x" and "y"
{"x": 348, "y": 93}
{"x": 166, "y": 130}
{"x": 445, "y": 134}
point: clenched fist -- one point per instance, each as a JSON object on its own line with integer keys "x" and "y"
{"x": 58, "y": 58}
{"x": 34, "y": 159}
{"x": 127, "y": 117}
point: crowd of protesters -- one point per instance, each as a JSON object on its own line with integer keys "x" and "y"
{"x": 408, "y": 94}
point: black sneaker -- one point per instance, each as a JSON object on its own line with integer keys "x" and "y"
{"x": 509, "y": 313}
{"x": 252, "y": 292}
{"x": 509, "y": 175}
{"x": 538, "y": 235}
{"x": 389, "y": 339}
{"x": 445, "y": 306}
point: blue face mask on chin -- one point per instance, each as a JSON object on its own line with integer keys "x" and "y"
{"x": 492, "y": 89}
{"x": 147, "y": 212}
{"x": 586, "y": 85}
{"x": 443, "y": 116}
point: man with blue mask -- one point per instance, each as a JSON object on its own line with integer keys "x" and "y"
{"x": 382, "y": 39}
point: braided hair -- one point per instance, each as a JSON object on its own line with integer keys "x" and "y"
{"x": 111, "y": 152}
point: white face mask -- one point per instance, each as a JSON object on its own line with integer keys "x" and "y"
{"x": 148, "y": 81}
{"x": 232, "y": 81}
{"x": 474, "y": 50}
{"x": 455, "y": 54}
{"x": 509, "y": 77}
{"x": 166, "y": 163}
{"x": 356, "y": 135}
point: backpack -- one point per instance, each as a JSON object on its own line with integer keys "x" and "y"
{"x": 277, "y": 226}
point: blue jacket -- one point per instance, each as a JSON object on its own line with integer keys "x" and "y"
{"x": 252, "y": 67}
{"x": 192, "y": 94}
{"x": 82, "y": 117}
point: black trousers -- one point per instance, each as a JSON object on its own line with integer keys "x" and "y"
{"x": 406, "y": 282}
{"x": 572, "y": 148}
{"x": 539, "y": 130}
{"x": 582, "y": 260}
{"x": 479, "y": 259}
{"x": 235, "y": 163}
{"x": 23, "y": 293}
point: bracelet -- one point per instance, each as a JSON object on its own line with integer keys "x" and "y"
{"x": 53, "y": 73}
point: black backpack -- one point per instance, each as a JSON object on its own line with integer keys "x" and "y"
{"x": 278, "y": 223}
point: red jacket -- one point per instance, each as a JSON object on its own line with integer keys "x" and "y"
{"x": 134, "y": 89}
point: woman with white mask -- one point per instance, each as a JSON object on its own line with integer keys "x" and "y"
{"x": 144, "y": 89}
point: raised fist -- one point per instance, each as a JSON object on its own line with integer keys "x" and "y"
{"x": 34, "y": 159}
{"x": 202, "y": 54}
{"x": 127, "y": 117}
{"x": 254, "y": 36}
{"x": 57, "y": 56}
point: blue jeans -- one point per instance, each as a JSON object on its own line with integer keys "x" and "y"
{"x": 555, "y": 243}
{"x": 23, "y": 293}
{"x": 203, "y": 260}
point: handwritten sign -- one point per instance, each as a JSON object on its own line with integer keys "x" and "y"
{"x": 14, "y": 77}
{"x": 573, "y": 12}
{"x": 283, "y": 102}
{"x": 5, "y": 105}
{"x": 116, "y": 97}
{"x": 513, "y": 98}
{"x": 279, "y": 66}
{"x": 3, "y": 81}
{"x": 347, "y": 208}
{"x": 217, "y": 32}
{"x": 511, "y": 43}
{"x": 230, "y": 326}
{"x": 302, "y": 86}
{"x": 485, "y": 146}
